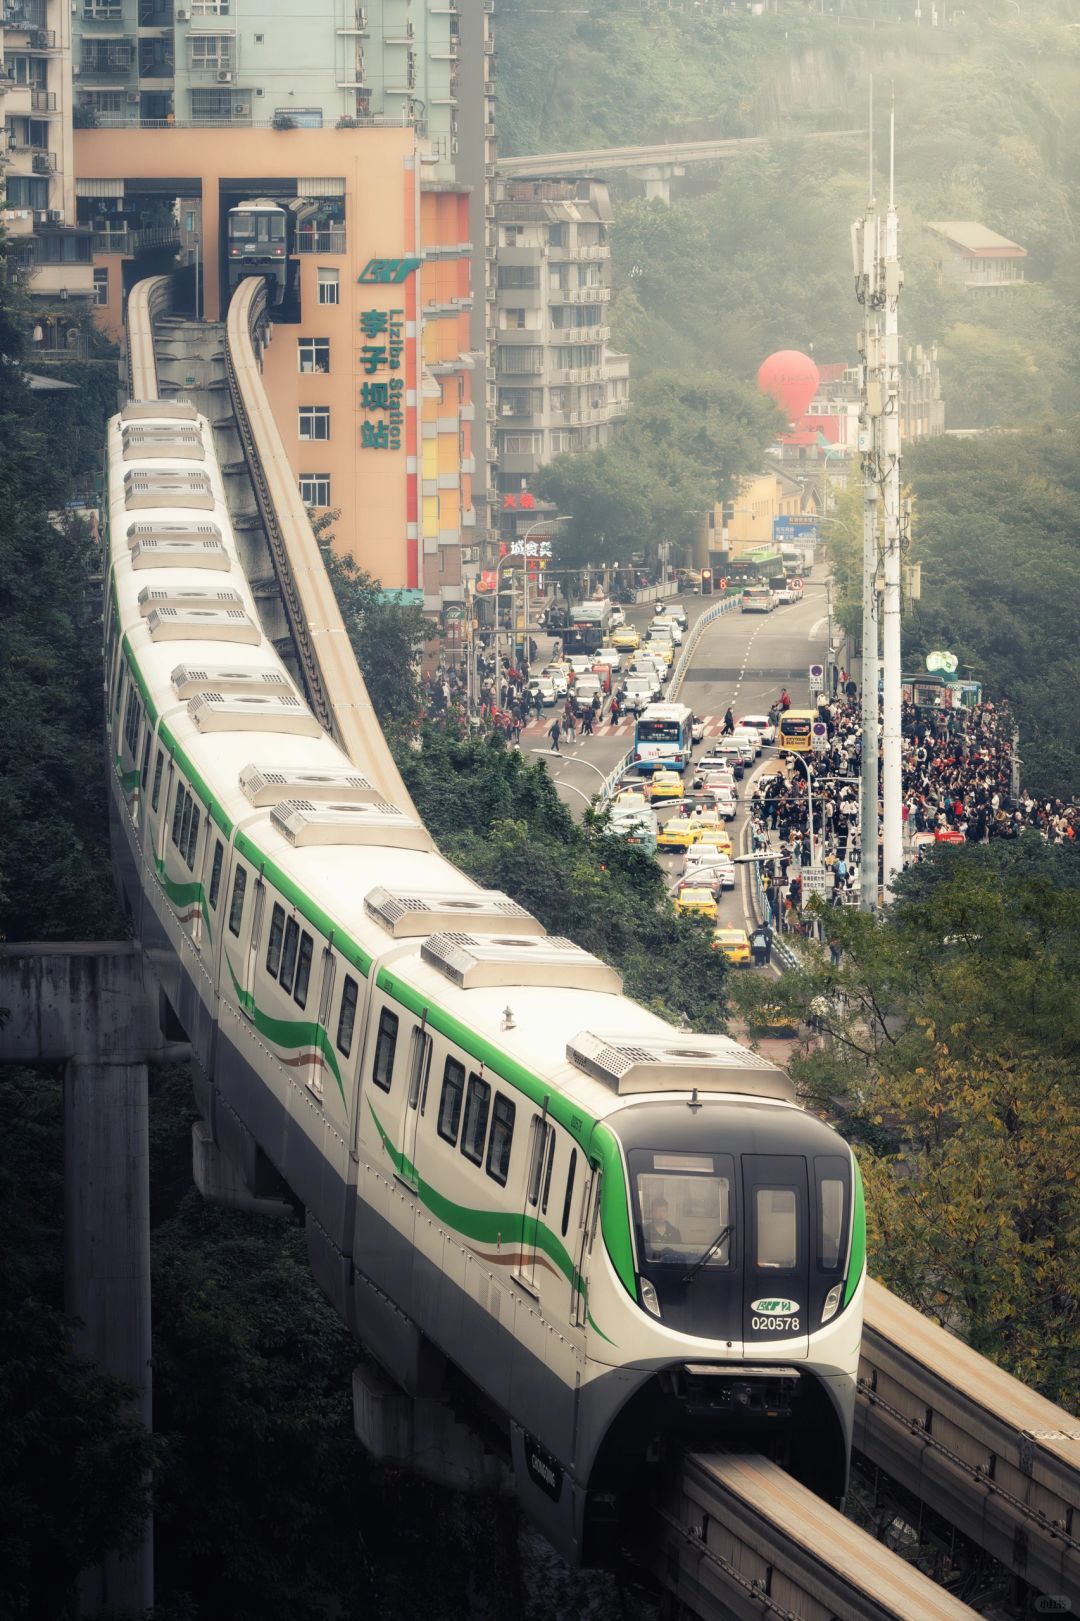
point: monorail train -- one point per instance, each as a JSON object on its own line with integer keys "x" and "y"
{"x": 604, "y": 1236}
{"x": 260, "y": 240}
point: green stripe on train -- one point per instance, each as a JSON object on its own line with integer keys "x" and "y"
{"x": 488, "y": 1226}
{"x": 289, "y": 1033}
{"x": 858, "y": 1235}
{"x": 598, "y": 1142}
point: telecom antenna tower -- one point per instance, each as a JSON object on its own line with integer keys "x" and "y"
{"x": 878, "y": 280}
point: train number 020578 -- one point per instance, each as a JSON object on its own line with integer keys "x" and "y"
{"x": 791, "y": 1324}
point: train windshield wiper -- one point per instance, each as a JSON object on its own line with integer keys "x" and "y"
{"x": 713, "y": 1247}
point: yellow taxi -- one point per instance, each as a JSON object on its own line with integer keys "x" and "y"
{"x": 667, "y": 785}
{"x": 631, "y": 799}
{"x": 717, "y": 835}
{"x": 734, "y": 943}
{"x": 663, "y": 652}
{"x": 626, "y": 639}
{"x": 697, "y": 900}
{"x": 679, "y": 833}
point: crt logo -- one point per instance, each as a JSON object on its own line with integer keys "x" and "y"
{"x": 770, "y": 1307}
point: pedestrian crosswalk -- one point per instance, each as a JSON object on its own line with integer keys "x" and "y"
{"x": 714, "y": 726}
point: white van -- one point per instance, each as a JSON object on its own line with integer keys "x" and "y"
{"x": 665, "y": 630}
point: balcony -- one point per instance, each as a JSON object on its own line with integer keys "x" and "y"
{"x": 587, "y": 254}
{"x": 520, "y": 298}
{"x": 44, "y": 162}
{"x": 578, "y": 295}
{"x": 328, "y": 241}
{"x": 42, "y": 101}
{"x": 112, "y": 68}
{"x": 578, "y": 334}
{"x": 513, "y": 335}
{"x": 17, "y": 221}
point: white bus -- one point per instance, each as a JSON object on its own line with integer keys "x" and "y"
{"x": 664, "y": 738}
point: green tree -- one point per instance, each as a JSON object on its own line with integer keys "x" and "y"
{"x": 388, "y": 638}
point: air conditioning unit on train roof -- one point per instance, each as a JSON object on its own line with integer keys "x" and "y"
{"x": 271, "y": 784}
{"x": 304, "y": 823}
{"x": 202, "y": 625}
{"x": 253, "y": 712}
{"x": 186, "y": 596}
{"x": 209, "y": 554}
{"x": 474, "y": 961}
{"x": 677, "y": 1062}
{"x": 410, "y": 913}
{"x": 189, "y": 679}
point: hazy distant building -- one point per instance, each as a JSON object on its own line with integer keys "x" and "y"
{"x": 980, "y": 259}
{"x": 559, "y": 387}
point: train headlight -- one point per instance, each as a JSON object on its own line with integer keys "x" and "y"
{"x": 648, "y": 1295}
{"x": 832, "y": 1301}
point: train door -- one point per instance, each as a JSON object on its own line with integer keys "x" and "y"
{"x": 416, "y": 1098}
{"x": 590, "y": 1215}
{"x": 251, "y": 957}
{"x": 316, "y": 1062}
{"x": 776, "y": 1256}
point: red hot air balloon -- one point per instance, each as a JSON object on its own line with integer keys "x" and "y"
{"x": 791, "y": 378}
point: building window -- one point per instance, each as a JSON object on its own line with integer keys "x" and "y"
{"x": 211, "y": 106}
{"x": 23, "y": 191}
{"x": 314, "y": 354}
{"x": 104, "y": 103}
{"x": 211, "y": 51}
{"x": 314, "y": 422}
{"x": 101, "y": 286}
{"x": 519, "y": 276}
{"x": 329, "y": 290}
{"x": 555, "y": 235}
{"x": 521, "y": 444}
{"x": 210, "y": 8}
{"x": 315, "y": 489}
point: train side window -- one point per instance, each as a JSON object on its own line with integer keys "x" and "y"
{"x": 542, "y": 1145}
{"x": 450, "y": 1102}
{"x": 215, "y": 871}
{"x": 303, "y": 970}
{"x": 159, "y": 766}
{"x": 185, "y": 825}
{"x": 193, "y": 837}
{"x": 273, "y": 942}
{"x": 131, "y": 719}
{"x": 236, "y": 905}
{"x": 347, "y": 1017}
{"x": 569, "y": 1199}
{"x": 145, "y": 771}
{"x": 178, "y": 812}
{"x": 382, "y": 1070}
{"x": 420, "y": 1065}
{"x": 550, "y": 1167}
{"x": 288, "y": 955}
{"x": 474, "y": 1128}
{"x": 501, "y": 1139}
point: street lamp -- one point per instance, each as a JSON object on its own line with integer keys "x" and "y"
{"x": 539, "y": 524}
{"x": 809, "y": 803}
{"x": 574, "y": 759}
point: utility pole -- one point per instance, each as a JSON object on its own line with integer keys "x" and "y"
{"x": 878, "y": 279}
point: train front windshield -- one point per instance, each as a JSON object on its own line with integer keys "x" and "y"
{"x": 257, "y": 227}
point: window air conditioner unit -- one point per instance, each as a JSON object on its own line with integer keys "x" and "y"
{"x": 56, "y": 216}
{"x": 133, "y": 95}
{"x": 242, "y": 109}
{"x": 181, "y": 16}
{"x": 75, "y": 70}
{"x": 225, "y": 76}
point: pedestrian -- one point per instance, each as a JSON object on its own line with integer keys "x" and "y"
{"x": 729, "y": 722}
{"x": 555, "y": 732}
{"x": 768, "y": 942}
{"x": 616, "y": 712}
{"x": 586, "y": 723}
{"x": 757, "y": 946}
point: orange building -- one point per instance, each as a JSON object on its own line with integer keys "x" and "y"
{"x": 368, "y": 369}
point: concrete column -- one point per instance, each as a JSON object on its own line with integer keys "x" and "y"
{"x": 107, "y": 1270}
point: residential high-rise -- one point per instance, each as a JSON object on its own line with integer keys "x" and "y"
{"x": 36, "y": 165}
{"x": 559, "y": 387}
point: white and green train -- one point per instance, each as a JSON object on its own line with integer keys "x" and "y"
{"x": 606, "y": 1237}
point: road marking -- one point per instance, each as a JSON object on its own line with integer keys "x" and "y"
{"x": 815, "y": 627}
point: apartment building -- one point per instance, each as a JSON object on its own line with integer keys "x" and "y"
{"x": 981, "y": 260}
{"x": 370, "y": 377}
{"x": 559, "y": 387}
{"x": 37, "y": 171}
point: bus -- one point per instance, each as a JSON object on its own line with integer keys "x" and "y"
{"x": 758, "y": 599}
{"x": 794, "y": 731}
{"x": 663, "y": 738}
{"x": 588, "y": 626}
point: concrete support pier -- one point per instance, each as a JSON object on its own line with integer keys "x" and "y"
{"x": 86, "y": 1006}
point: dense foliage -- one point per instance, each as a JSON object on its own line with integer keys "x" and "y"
{"x": 503, "y": 822}
{"x": 686, "y": 439}
{"x": 947, "y": 1042}
{"x": 387, "y": 637}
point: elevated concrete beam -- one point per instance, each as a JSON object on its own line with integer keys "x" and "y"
{"x": 74, "y": 999}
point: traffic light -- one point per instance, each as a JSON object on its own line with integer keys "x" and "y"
{"x": 706, "y": 582}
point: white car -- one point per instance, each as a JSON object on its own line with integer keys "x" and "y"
{"x": 609, "y": 656}
{"x": 641, "y": 691}
{"x": 751, "y": 737}
{"x": 726, "y": 803}
{"x": 544, "y": 685}
{"x": 720, "y": 776}
{"x": 616, "y": 618}
{"x": 673, "y": 610}
{"x": 761, "y": 724}
{"x": 697, "y": 729}
{"x": 581, "y": 663}
{"x": 558, "y": 680}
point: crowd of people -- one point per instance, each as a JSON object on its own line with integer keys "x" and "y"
{"x": 957, "y": 787}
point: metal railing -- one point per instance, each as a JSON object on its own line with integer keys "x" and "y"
{"x": 331, "y": 241}
{"x": 709, "y": 617}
